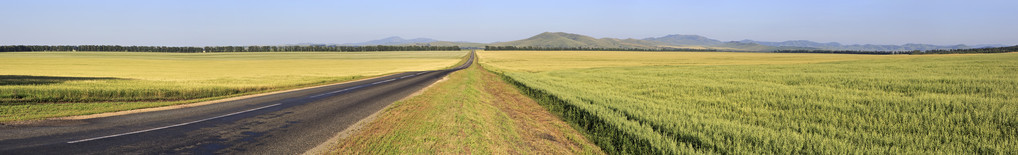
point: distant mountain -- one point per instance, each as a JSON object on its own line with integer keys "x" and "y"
{"x": 744, "y": 46}
{"x": 391, "y": 41}
{"x": 451, "y": 43}
{"x": 677, "y": 39}
{"x": 857, "y": 47}
{"x": 796, "y": 43}
{"x": 988, "y": 45}
{"x": 561, "y": 39}
{"x": 681, "y": 40}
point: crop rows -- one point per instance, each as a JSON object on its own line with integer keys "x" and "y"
{"x": 952, "y": 105}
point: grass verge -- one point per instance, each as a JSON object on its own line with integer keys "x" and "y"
{"x": 471, "y": 112}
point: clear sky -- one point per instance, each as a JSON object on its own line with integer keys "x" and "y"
{"x": 248, "y": 22}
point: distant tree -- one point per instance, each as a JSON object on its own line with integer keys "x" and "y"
{"x": 116, "y": 48}
{"x": 952, "y": 51}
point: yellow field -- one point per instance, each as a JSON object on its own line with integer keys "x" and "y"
{"x": 92, "y": 82}
{"x": 207, "y": 66}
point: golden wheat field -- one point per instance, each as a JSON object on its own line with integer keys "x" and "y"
{"x": 93, "y": 82}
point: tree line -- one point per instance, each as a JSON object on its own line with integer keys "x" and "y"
{"x": 117, "y": 48}
{"x": 976, "y": 50}
{"x": 951, "y": 51}
{"x": 534, "y": 48}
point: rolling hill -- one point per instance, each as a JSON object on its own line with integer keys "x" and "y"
{"x": 569, "y": 40}
{"x": 677, "y": 39}
{"x": 561, "y": 39}
{"x": 469, "y": 45}
{"x": 395, "y": 40}
{"x": 391, "y": 41}
{"x": 866, "y": 47}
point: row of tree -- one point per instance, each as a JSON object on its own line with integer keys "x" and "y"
{"x": 116, "y": 48}
{"x": 533, "y": 48}
{"x": 976, "y": 50}
{"x": 951, "y": 51}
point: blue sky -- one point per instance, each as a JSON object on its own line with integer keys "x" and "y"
{"x": 228, "y": 22}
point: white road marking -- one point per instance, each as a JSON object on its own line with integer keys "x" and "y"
{"x": 175, "y": 125}
{"x": 379, "y": 82}
{"x": 361, "y": 86}
{"x": 339, "y": 91}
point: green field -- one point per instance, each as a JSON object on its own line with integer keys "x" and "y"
{"x": 763, "y": 103}
{"x": 36, "y": 85}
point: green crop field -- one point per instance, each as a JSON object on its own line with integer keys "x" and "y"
{"x": 765, "y": 103}
{"x": 36, "y": 85}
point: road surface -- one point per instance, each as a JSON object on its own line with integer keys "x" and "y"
{"x": 284, "y": 123}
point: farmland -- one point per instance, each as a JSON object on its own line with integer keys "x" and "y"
{"x": 36, "y": 85}
{"x": 766, "y": 103}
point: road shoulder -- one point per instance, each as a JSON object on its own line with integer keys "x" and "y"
{"x": 473, "y": 112}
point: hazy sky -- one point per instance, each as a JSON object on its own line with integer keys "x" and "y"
{"x": 228, "y": 22}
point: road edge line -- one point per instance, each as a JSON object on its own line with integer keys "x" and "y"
{"x": 171, "y": 126}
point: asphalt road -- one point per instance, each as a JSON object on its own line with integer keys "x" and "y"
{"x": 285, "y": 123}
